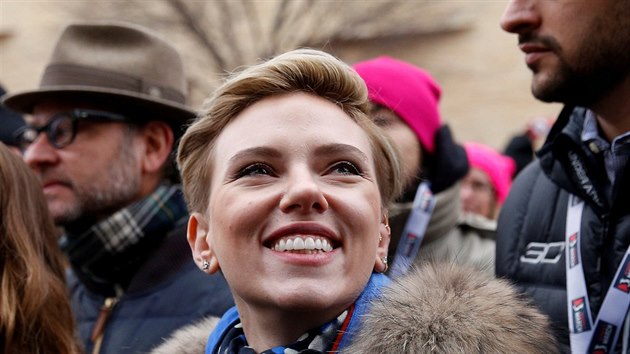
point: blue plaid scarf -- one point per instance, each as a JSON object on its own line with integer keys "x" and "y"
{"x": 228, "y": 337}
{"x": 108, "y": 254}
{"x": 316, "y": 341}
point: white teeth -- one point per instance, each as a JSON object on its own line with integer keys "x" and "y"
{"x": 309, "y": 244}
{"x": 298, "y": 244}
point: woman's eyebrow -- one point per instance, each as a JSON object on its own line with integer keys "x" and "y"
{"x": 338, "y": 148}
{"x": 259, "y": 151}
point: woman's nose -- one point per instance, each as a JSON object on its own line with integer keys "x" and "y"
{"x": 520, "y": 16}
{"x": 303, "y": 192}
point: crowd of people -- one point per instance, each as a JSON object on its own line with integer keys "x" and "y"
{"x": 315, "y": 206}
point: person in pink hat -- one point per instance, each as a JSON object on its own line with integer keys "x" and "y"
{"x": 488, "y": 182}
{"x": 425, "y": 221}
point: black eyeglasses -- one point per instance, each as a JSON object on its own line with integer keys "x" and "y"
{"x": 61, "y": 129}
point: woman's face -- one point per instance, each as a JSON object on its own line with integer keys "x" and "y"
{"x": 294, "y": 215}
{"x": 477, "y": 194}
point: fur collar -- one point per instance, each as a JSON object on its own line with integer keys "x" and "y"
{"x": 188, "y": 340}
{"x": 443, "y": 308}
{"x": 435, "y": 308}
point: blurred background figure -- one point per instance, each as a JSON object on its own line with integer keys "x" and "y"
{"x": 523, "y": 146}
{"x": 35, "y": 315}
{"x": 425, "y": 221}
{"x": 10, "y": 122}
{"x": 488, "y": 182}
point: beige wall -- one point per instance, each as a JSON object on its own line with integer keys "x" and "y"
{"x": 485, "y": 82}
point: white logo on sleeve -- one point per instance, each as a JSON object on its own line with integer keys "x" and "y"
{"x": 539, "y": 252}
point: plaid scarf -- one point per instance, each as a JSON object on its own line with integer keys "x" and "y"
{"x": 227, "y": 338}
{"x": 109, "y": 253}
{"x": 317, "y": 341}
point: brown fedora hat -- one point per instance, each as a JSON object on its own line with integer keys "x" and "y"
{"x": 117, "y": 63}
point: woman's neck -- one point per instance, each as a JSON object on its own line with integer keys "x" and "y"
{"x": 270, "y": 327}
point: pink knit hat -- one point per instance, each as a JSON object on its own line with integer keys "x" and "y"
{"x": 407, "y": 90}
{"x": 498, "y": 167}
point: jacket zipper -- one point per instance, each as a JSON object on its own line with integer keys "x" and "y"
{"x": 101, "y": 322}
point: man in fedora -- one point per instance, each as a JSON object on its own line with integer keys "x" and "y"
{"x": 100, "y": 135}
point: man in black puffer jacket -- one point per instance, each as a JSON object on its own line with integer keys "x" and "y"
{"x": 564, "y": 230}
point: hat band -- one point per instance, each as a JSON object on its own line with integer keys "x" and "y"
{"x": 76, "y": 75}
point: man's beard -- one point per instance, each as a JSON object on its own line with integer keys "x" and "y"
{"x": 582, "y": 86}
{"x": 597, "y": 68}
{"x": 115, "y": 190}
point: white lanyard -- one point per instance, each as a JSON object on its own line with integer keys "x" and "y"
{"x": 602, "y": 337}
{"x": 416, "y": 226}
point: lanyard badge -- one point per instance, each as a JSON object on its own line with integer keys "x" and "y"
{"x": 586, "y": 335}
{"x": 415, "y": 228}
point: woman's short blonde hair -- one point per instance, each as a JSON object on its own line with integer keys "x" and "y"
{"x": 303, "y": 70}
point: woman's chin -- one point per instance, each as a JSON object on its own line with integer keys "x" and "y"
{"x": 313, "y": 299}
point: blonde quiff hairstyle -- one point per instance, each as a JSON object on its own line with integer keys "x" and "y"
{"x": 302, "y": 70}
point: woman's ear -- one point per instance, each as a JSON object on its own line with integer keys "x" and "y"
{"x": 385, "y": 231}
{"x": 199, "y": 242}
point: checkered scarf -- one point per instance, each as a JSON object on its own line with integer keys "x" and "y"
{"x": 317, "y": 341}
{"x": 110, "y": 251}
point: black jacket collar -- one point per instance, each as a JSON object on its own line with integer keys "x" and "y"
{"x": 573, "y": 166}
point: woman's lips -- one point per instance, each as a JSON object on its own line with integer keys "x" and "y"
{"x": 307, "y": 244}
{"x": 304, "y": 244}
{"x": 305, "y": 258}
{"x": 302, "y": 230}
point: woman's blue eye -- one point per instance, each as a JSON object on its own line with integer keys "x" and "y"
{"x": 346, "y": 168}
{"x": 254, "y": 169}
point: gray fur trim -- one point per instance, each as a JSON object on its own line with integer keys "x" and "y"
{"x": 443, "y": 308}
{"x": 191, "y": 339}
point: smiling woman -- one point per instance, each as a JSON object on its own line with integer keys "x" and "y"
{"x": 288, "y": 183}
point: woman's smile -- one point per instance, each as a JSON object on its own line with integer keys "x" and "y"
{"x": 303, "y": 244}
{"x": 303, "y": 238}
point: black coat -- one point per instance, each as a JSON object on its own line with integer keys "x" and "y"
{"x": 532, "y": 224}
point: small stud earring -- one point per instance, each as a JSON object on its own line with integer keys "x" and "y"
{"x": 205, "y": 265}
{"x": 384, "y": 259}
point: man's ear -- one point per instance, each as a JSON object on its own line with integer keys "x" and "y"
{"x": 159, "y": 139}
{"x": 380, "y": 263}
{"x": 199, "y": 242}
